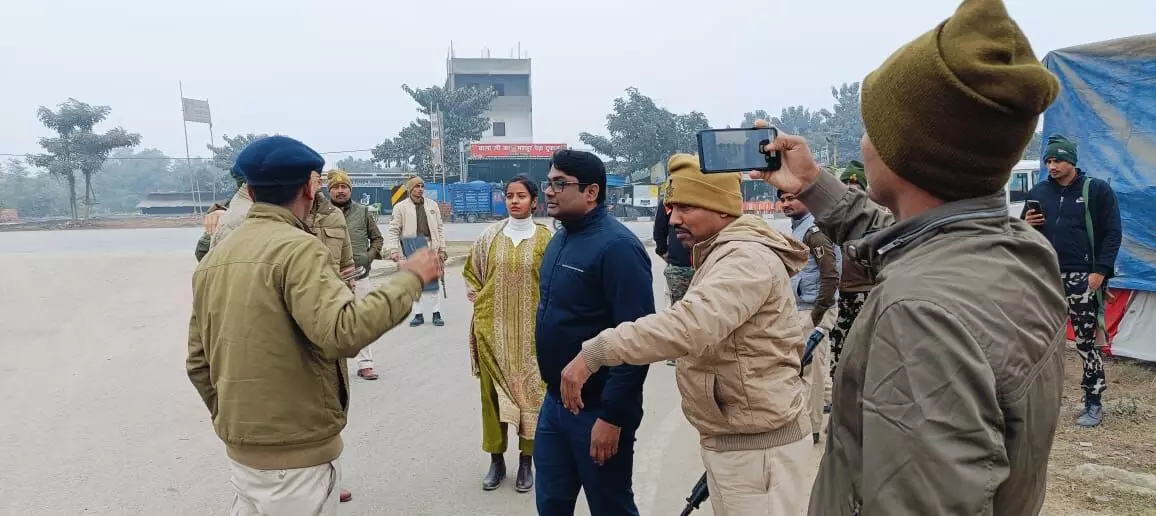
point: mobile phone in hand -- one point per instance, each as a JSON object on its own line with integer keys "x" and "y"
{"x": 1032, "y": 205}
{"x": 737, "y": 150}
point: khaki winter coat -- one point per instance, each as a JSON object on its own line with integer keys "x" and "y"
{"x": 948, "y": 390}
{"x": 403, "y": 224}
{"x": 328, "y": 223}
{"x": 736, "y": 336}
{"x": 271, "y": 329}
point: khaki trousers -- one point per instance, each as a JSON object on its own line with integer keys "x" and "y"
{"x": 759, "y": 482}
{"x": 365, "y": 356}
{"x": 311, "y": 491}
{"x": 818, "y": 375}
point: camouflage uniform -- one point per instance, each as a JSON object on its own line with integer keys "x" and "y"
{"x": 849, "y": 305}
{"x": 677, "y": 281}
{"x": 1084, "y": 312}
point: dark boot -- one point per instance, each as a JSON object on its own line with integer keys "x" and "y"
{"x": 496, "y": 474}
{"x": 815, "y": 437}
{"x": 525, "y": 474}
{"x": 418, "y": 320}
{"x": 437, "y": 319}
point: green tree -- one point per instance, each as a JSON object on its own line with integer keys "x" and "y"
{"x": 1034, "y": 150}
{"x": 32, "y": 194}
{"x": 643, "y": 133}
{"x": 843, "y": 130}
{"x": 750, "y": 117}
{"x": 360, "y": 166}
{"x": 128, "y": 177}
{"x": 464, "y": 119}
{"x": 225, "y": 155}
{"x": 77, "y": 147}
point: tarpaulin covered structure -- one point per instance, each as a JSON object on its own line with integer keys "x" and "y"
{"x": 1107, "y": 106}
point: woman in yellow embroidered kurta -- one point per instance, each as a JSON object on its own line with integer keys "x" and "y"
{"x": 502, "y": 281}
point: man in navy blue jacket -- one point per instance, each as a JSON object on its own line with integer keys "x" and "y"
{"x": 1086, "y": 261}
{"x": 595, "y": 275}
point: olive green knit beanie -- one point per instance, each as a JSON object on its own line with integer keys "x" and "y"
{"x": 952, "y": 110}
{"x": 1061, "y": 149}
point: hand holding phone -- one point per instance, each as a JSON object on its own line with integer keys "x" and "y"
{"x": 1033, "y": 213}
{"x": 737, "y": 150}
{"x": 798, "y": 166}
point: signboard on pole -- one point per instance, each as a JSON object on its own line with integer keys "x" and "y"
{"x": 646, "y": 196}
{"x": 435, "y": 139}
{"x": 196, "y": 110}
{"x": 514, "y": 150}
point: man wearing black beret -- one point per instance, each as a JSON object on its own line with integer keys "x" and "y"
{"x": 271, "y": 329}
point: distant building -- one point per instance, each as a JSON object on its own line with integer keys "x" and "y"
{"x": 178, "y": 203}
{"x": 511, "y": 113}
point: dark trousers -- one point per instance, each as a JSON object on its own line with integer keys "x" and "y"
{"x": 562, "y": 455}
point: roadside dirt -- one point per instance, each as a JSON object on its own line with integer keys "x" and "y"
{"x": 1126, "y": 439}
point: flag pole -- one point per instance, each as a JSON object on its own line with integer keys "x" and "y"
{"x": 212, "y": 142}
{"x": 188, "y": 157}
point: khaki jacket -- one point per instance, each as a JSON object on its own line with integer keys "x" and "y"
{"x": 948, "y": 391}
{"x": 271, "y": 328}
{"x": 232, "y": 218}
{"x": 736, "y": 336}
{"x": 403, "y": 223}
{"x": 328, "y": 223}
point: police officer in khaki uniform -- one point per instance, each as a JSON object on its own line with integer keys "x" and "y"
{"x": 815, "y": 290}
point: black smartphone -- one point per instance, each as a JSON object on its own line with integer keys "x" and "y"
{"x": 1032, "y": 205}
{"x": 737, "y": 150}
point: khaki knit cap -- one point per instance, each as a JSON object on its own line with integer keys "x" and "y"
{"x": 687, "y": 185}
{"x": 338, "y": 177}
{"x": 952, "y": 111}
{"x": 413, "y": 181}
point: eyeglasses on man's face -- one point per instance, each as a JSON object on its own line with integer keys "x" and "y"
{"x": 560, "y": 184}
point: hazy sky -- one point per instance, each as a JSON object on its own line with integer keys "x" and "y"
{"x": 329, "y": 73}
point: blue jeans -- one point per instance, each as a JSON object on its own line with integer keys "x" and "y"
{"x": 562, "y": 455}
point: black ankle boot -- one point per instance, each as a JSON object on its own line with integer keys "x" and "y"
{"x": 496, "y": 474}
{"x": 525, "y": 480}
{"x": 437, "y": 319}
{"x": 418, "y": 320}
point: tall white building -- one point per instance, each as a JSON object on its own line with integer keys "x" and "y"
{"x": 511, "y": 113}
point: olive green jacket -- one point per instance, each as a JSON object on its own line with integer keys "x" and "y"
{"x": 948, "y": 391}
{"x": 271, "y": 328}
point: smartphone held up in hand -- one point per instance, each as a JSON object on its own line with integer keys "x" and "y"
{"x": 737, "y": 150}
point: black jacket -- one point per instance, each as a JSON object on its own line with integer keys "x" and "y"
{"x": 1066, "y": 227}
{"x": 665, "y": 242}
{"x": 595, "y": 275}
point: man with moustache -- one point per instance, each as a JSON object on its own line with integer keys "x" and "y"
{"x": 366, "y": 241}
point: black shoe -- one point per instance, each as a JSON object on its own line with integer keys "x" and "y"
{"x": 437, "y": 319}
{"x": 525, "y": 474}
{"x": 496, "y": 474}
{"x": 815, "y": 436}
{"x": 827, "y": 408}
{"x": 418, "y": 320}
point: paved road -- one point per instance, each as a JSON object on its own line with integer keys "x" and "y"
{"x": 182, "y": 240}
{"x": 99, "y": 417}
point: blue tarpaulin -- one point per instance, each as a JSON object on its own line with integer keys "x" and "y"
{"x": 1107, "y": 105}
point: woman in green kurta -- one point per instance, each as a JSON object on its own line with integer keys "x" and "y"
{"x": 502, "y": 281}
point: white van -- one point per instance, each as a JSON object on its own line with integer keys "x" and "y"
{"x": 1024, "y": 176}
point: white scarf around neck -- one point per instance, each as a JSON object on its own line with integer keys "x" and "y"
{"x": 519, "y": 229}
